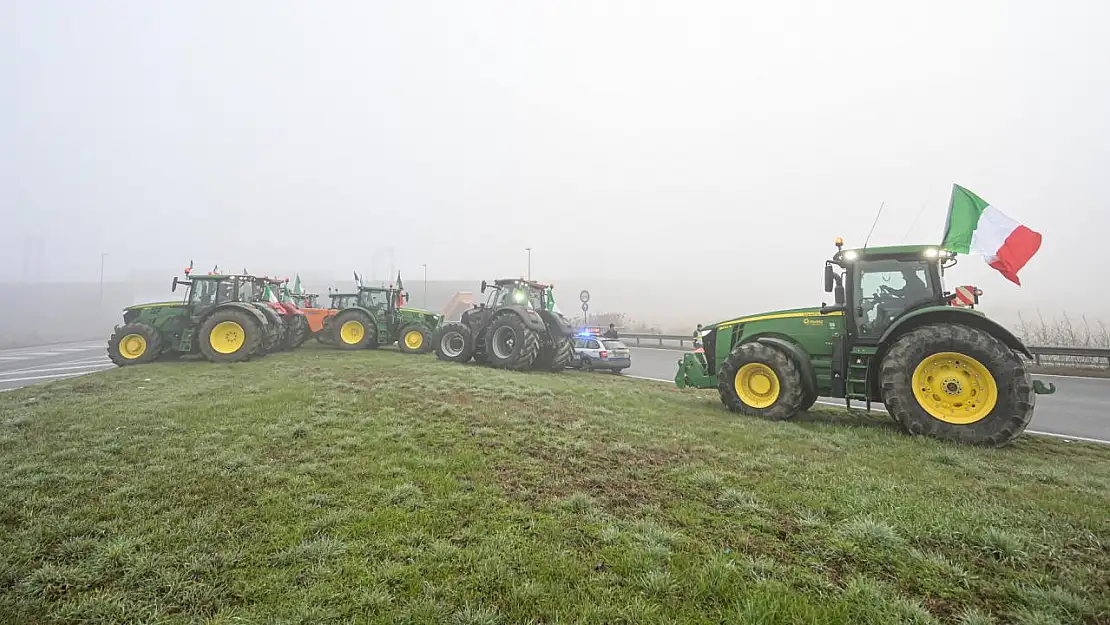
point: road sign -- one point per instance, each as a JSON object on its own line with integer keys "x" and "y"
{"x": 584, "y": 296}
{"x": 585, "y": 306}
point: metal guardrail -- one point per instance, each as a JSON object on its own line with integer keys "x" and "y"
{"x": 1092, "y": 357}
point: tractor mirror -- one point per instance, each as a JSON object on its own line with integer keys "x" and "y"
{"x": 174, "y": 287}
{"x": 484, "y": 286}
{"x": 830, "y": 278}
{"x": 838, "y": 295}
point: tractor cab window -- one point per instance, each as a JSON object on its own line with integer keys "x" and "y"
{"x": 203, "y": 293}
{"x": 375, "y": 300}
{"x": 887, "y": 288}
{"x": 225, "y": 291}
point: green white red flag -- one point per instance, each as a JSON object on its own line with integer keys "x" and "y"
{"x": 975, "y": 227}
{"x": 400, "y": 291}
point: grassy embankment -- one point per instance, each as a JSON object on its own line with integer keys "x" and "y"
{"x": 325, "y": 487}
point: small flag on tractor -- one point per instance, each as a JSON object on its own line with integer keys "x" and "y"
{"x": 549, "y": 295}
{"x": 400, "y": 291}
{"x": 189, "y": 269}
{"x": 297, "y": 285}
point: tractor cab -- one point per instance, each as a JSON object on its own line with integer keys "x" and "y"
{"x": 516, "y": 292}
{"x": 876, "y": 286}
{"x": 380, "y": 301}
{"x": 210, "y": 290}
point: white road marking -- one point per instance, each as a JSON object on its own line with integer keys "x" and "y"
{"x": 71, "y": 374}
{"x": 91, "y": 365}
{"x": 14, "y": 357}
{"x": 841, "y": 405}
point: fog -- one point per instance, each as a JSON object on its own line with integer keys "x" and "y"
{"x": 697, "y": 157}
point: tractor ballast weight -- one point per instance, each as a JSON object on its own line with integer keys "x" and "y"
{"x": 513, "y": 329}
{"x": 893, "y": 336}
{"x": 209, "y": 320}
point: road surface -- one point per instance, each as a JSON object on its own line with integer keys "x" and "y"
{"x": 31, "y": 365}
{"x": 1080, "y": 408}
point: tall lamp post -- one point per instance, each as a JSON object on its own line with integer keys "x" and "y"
{"x": 425, "y": 266}
{"x": 102, "y": 255}
{"x": 529, "y": 250}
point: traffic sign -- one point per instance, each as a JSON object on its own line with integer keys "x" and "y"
{"x": 585, "y": 306}
{"x": 584, "y": 296}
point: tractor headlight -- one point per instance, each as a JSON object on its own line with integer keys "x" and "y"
{"x": 931, "y": 253}
{"x": 851, "y": 255}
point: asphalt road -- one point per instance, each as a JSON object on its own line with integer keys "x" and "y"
{"x": 32, "y": 365}
{"x": 1080, "y": 408}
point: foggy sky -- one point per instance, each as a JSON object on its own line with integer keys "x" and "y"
{"x": 714, "y": 146}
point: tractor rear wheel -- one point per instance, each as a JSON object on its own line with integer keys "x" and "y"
{"x": 413, "y": 339}
{"x": 510, "y": 344}
{"x": 354, "y": 329}
{"x": 453, "y": 342}
{"x": 761, "y": 380}
{"x": 300, "y": 331}
{"x": 956, "y": 383}
{"x": 134, "y": 344}
{"x": 564, "y": 353}
{"x": 229, "y": 336}
{"x": 480, "y": 343}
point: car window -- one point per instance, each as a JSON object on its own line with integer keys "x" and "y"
{"x": 592, "y": 345}
{"x": 614, "y": 345}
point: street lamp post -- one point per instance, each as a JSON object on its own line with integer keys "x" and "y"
{"x": 529, "y": 250}
{"x": 425, "y": 266}
{"x": 102, "y": 255}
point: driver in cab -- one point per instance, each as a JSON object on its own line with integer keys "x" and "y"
{"x": 915, "y": 289}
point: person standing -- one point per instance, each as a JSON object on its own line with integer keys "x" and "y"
{"x": 611, "y": 333}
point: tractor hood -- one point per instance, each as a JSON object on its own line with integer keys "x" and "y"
{"x": 766, "y": 316}
{"x": 154, "y": 305}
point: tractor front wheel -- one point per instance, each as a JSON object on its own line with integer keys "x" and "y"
{"x": 564, "y": 353}
{"x": 760, "y": 380}
{"x": 134, "y": 344}
{"x": 510, "y": 344}
{"x": 229, "y": 336}
{"x": 354, "y": 329}
{"x": 413, "y": 339}
{"x": 453, "y": 342}
{"x": 956, "y": 383}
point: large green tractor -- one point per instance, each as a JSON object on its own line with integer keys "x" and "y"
{"x": 516, "y": 328}
{"x": 375, "y": 317}
{"x": 892, "y": 335}
{"x": 215, "y": 318}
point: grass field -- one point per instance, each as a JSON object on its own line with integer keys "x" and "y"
{"x": 321, "y": 487}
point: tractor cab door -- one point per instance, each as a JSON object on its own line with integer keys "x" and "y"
{"x": 881, "y": 291}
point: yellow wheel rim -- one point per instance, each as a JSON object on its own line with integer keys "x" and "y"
{"x": 757, "y": 385}
{"x": 414, "y": 339}
{"x": 132, "y": 346}
{"x": 954, "y": 388}
{"x": 227, "y": 337}
{"x": 351, "y": 332}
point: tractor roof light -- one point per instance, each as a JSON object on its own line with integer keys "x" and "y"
{"x": 851, "y": 255}
{"x": 931, "y": 252}
{"x": 839, "y": 242}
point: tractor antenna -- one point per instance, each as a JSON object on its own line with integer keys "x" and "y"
{"x": 873, "y": 224}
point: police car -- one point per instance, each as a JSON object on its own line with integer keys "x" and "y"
{"x": 593, "y": 351}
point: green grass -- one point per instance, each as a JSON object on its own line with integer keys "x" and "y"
{"x": 321, "y": 487}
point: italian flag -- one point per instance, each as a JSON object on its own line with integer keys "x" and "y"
{"x": 976, "y": 227}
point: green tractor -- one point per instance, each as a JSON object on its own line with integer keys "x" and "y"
{"x": 215, "y": 318}
{"x": 376, "y": 317}
{"x": 516, "y": 328}
{"x": 893, "y": 335}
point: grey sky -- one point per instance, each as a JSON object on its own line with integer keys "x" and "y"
{"x": 283, "y": 135}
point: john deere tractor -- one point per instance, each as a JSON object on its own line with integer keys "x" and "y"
{"x": 514, "y": 329}
{"x": 375, "y": 318}
{"x": 892, "y": 335}
{"x": 216, "y": 318}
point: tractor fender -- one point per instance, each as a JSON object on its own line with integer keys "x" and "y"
{"x": 262, "y": 321}
{"x": 950, "y": 314}
{"x": 795, "y": 351}
{"x": 557, "y": 324}
{"x": 531, "y": 318}
{"x": 366, "y": 311}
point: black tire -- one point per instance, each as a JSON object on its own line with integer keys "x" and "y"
{"x": 564, "y": 353}
{"x": 406, "y": 342}
{"x": 808, "y": 401}
{"x": 143, "y": 345}
{"x": 353, "y": 339}
{"x": 251, "y": 329}
{"x": 617, "y": 371}
{"x": 480, "y": 346}
{"x": 788, "y": 376}
{"x": 510, "y": 344}
{"x": 300, "y": 331}
{"x": 453, "y": 342}
{"x": 272, "y": 332}
{"x": 1015, "y": 398}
